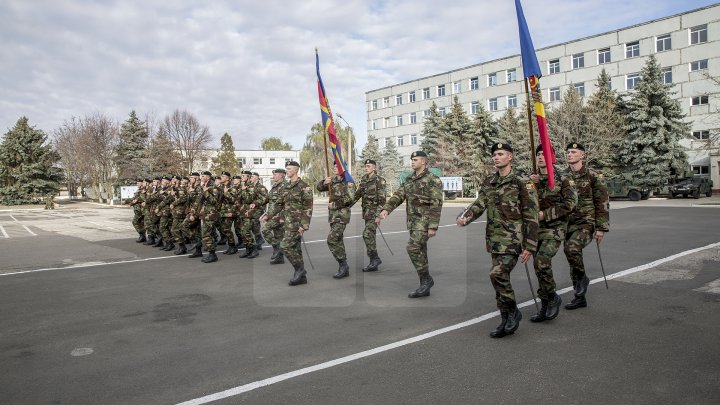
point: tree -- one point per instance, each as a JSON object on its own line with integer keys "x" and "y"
{"x": 162, "y": 159}
{"x": 484, "y": 133}
{"x": 187, "y": 136}
{"x": 566, "y": 122}
{"x": 68, "y": 143}
{"x": 453, "y": 152}
{"x": 431, "y": 131}
{"x": 654, "y": 124}
{"x": 312, "y": 159}
{"x": 225, "y": 160}
{"x": 28, "y": 169}
{"x": 274, "y": 143}
{"x": 98, "y": 141}
{"x": 513, "y": 129}
{"x": 130, "y": 153}
{"x": 605, "y": 128}
{"x": 391, "y": 166}
{"x": 371, "y": 150}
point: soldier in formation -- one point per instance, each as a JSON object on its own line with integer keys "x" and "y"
{"x": 273, "y": 219}
{"x": 138, "y": 218}
{"x": 339, "y": 203}
{"x": 297, "y": 212}
{"x": 372, "y": 192}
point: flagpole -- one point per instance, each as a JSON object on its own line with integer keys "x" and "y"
{"x": 530, "y": 126}
{"x": 327, "y": 163}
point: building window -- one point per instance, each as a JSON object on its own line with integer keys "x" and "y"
{"x": 426, "y": 93}
{"x": 700, "y": 100}
{"x": 386, "y": 122}
{"x": 701, "y": 169}
{"x": 398, "y": 99}
{"x": 272, "y": 161}
{"x": 411, "y": 97}
{"x": 400, "y": 141}
{"x": 373, "y": 124}
{"x": 698, "y": 35}
{"x": 554, "y": 66}
{"x": 413, "y": 118}
{"x": 580, "y": 88}
{"x": 474, "y": 83}
{"x": 441, "y": 111}
{"x": 663, "y": 43}
{"x": 578, "y": 61}
{"x": 512, "y": 101}
{"x": 701, "y": 135}
{"x": 632, "y": 80}
{"x": 474, "y": 107}
{"x": 426, "y": 113}
{"x": 386, "y": 102}
{"x": 492, "y": 79}
{"x": 242, "y": 161}
{"x": 555, "y": 94}
{"x": 456, "y": 87}
{"x": 398, "y": 120}
{"x": 511, "y": 75}
{"x": 387, "y": 142}
{"x": 492, "y": 104}
{"x": 666, "y": 75}
{"x": 257, "y": 161}
{"x": 441, "y": 90}
{"x": 374, "y": 104}
{"x": 632, "y": 49}
{"x": 413, "y": 139}
{"x": 603, "y": 56}
{"x": 698, "y": 65}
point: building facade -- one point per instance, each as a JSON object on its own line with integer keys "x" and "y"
{"x": 686, "y": 45}
{"x": 261, "y": 161}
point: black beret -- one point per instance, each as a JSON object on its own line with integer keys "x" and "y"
{"x": 247, "y": 172}
{"x": 226, "y": 174}
{"x": 195, "y": 174}
{"x": 501, "y": 146}
{"x": 148, "y": 180}
{"x": 178, "y": 178}
{"x": 575, "y": 145}
{"x": 237, "y": 177}
{"x": 207, "y": 173}
{"x": 256, "y": 174}
{"x": 418, "y": 153}
{"x": 292, "y": 163}
{"x": 370, "y": 162}
{"x": 158, "y": 178}
{"x": 139, "y": 180}
{"x": 185, "y": 178}
{"x": 279, "y": 171}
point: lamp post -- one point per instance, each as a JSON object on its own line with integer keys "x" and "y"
{"x": 349, "y": 163}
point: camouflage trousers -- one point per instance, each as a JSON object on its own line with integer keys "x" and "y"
{"x": 257, "y": 229}
{"x": 208, "y": 238}
{"x": 335, "y": 241}
{"x": 190, "y": 229}
{"x": 139, "y": 222}
{"x": 417, "y": 250}
{"x": 151, "y": 224}
{"x": 575, "y": 242}
{"x": 547, "y": 249}
{"x": 246, "y": 231}
{"x": 176, "y": 229}
{"x": 290, "y": 244}
{"x": 165, "y": 225}
{"x": 226, "y": 229}
{"x": 502, "y": 265}
{"x": 273, "y": 232}
{"x": 369, "y": 237}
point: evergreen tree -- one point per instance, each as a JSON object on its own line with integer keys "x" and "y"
{"x": 513, "y": 129}
{"x": 313, "y": 161}
{"x": 274, "y": 143}
{"x": 371, "y": 150}
{"x": 567, "y": 123}
{"x": 456, "y": 154}
{"x": 162, "y": 159}
{"x": 130, "y": 152}
{"x": 225, "y": 160}
{"x": 431, "y": 132}
{"x": 654, "y": 124}
{"x": 484, "y": 132}
{"x": 605, "y": 128}
{"x": 28, "y": 169}
{"x": 391, "y": 167}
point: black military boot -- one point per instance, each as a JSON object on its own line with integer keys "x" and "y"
{"x": 141, "y": 238}
{"x": 577, "y": 302}
{"x": 426, "y": 282}
{"x": 150, "y": 240}
{"x": 553, "y": 307}
{"x": 211, "y": 257}
{"x": 375, "y": 262}
{"x": 247, "y": 252}
{"x": 279, "y": 259}
{"x": 343, "y": 270}
{"x": 275, "y": 252}
{"x": 513, "y": 321}
{"x": 540, "y": 316}
{"x": 299, "y": 277}
{"x": 500, "y": 330}
{"x": 170, "y": 245}
{"x": 159, "y": 242}
{"x": 582, "y": 286}
{"x": 231, "y": 250}
{"x": 197, "y": 252}
{"x": 181, "y": 250}
{"x": 254, "y": 252}
{"x": 259, "y": 242}
{"x": 223, "y": 241}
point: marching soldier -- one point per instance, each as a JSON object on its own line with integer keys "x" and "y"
{"x": 555, "y": 206}
{"x": 178, "y": 209}
{"x": 273, "y": 219}
{"x": 372, "y": 192}
{"x": 151, "y": 220}
{"x": 341, "y": 199}
{"x": 227, "y": 212}
{"x": 261, "y": 201}
{"x": 209, "y": 214}
{"x": 245, "y": 213}
{"x": 138, "y": 217}
{"x": 191, "y": 224}
{"x": 590, "y": 218}
{"x": 297, "y": 212}
{"x": 511, "y": 231}
{"x": 237, "y": 220}
{"x": 163, "y": 211}
{"x": 423, "y": 193}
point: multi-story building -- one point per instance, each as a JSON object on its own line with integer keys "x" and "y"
{"x": 261, "y": 161}
{"x": 687, "y": 46}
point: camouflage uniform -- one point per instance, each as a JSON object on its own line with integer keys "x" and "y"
{"x": 210, "y": 214}
{"x": 179, "y": 207}
{"x": 512, "y": 226}
{"x": 372, "y": 192}
{"x": 423, "y": 194}
{"x": 138, "y": 215}
{"x": 191, "y": 228}
{"x": 297, "y": 212}
{"x": 227, "y": 213}
{"x": 151, "y": 220}
{"x": 341, "y": 198}
{"x": 245, "y": 214}
{"x": 273, "y": 228}
{"x": 590, "y": 215}
{"x": 165, "y": 213}
{"x": 261, "y": 201}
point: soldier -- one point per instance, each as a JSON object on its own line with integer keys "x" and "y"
{"x": 237, "y": 220}
{"x": 209, "y": 214}
{"x": 164, "y": 212}
{"x": 555, "y": 206}
{"x": 246, "y": 211}
{"x": 273, "y": 219}
{"x": 227, "y": 212}
{"x": 179, "y": 209}
{"x": 138, "y": 217}
{"x": 151, "y": 220}
{"x": 372, "y": 192}
{"x": 261, "y": 201}
{"x": 591, "y": 217}
{"x": 511, "y": 231}
{"x": 297, "y": 212}
{"x": 191, "y": 224}
{"x": 422, "y": 192}
{"x": 341, "y": 199}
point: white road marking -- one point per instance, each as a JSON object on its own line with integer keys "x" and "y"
{"x": 14, "y": 219}
{"x": 3, "y": 232}
{"x": 29, "y": 231}
{"x": 332, "y": 363}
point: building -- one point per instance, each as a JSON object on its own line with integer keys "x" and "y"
{"x": 261, "y": 161}
{"x": 687, "y": 45}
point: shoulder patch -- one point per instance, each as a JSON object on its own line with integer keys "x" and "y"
{"x": 571, "y": 181}
{"x": 307, "y": 189}
{"x": 437, "y": 181}
{"x": 600, "y": 176}
{"x": 530, "y": 185}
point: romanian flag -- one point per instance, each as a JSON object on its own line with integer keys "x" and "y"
{"x": 329, "y": 124}
{"x": 531, "y": 70}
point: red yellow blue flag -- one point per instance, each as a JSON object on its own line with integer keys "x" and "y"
{"x": 329, "y": 124}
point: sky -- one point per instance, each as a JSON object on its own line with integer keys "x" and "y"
{"x": 248, "y": 67}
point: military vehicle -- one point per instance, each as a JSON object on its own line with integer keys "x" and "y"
{"x": 623, "y": 187}
{"x": 692, "y": 186}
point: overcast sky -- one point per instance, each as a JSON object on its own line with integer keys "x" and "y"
{"x": 248, "y": 67}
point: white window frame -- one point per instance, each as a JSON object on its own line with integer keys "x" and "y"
{"x": 374, "y": 104}
{"x": 631, "y": 80}
{"x": 413, "y": 139}
{"x": 604, "y": 56}
{"x": 398, "y": 99}
{"x": 632, "y": 49}
{"x": 553, "y": 66}
{"x": 698, "y": 34}
{"x": 441, "y": 111}
{"x": 700, "y": 169}
{"x": 580, "y": 88}
{"x": 663, "y": 43}
{"x": 701, "y": 135}
{"x": 411, "y": 96}
{"x": 578, "y": 61}
{"x": 512, "y": 101}
{"x": 554, "y": 94}
{"x": 492, "y": 79}
{"x": 386, "y": 122}
{"x": 386, "y": 101}
{"x": 426, "y": 93}
{"x": 664, "y": 73}
{"x": 398, "y": 120}
{"x": 272, "y": 161}
{"x": 493, "y": 104}
{"x": 413, "y": 118}
{"x": 440, "y": 90}
{"x": 400, "y": 140}
{"x": 474, "y": 107}
{"x": 699, "y": 65}
{"x": 257, "y": 161}
{"x": 474, "y": 83}
{"x": 457, "y": 87}
{"x": 511, "y": 75}
{"x": 700, "y": 100}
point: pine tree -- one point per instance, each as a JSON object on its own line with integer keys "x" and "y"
{"x": 162, "y": 159}
{"x": 605, "y": 128}
{"x": 456, "y": 154}
{"x": 225, "y": 160}
{"x": 567, "y": 123}
{"x": 28, "y": 169}
{"x": 484, "y": 133}
{"x": 390, "y": 167}
{"x": 654, "y": 124}
{"x": 513, "y": 129}
{"x": 431, "y": 132}
{"x": 130, "y": 151}
{"x": 371, "y": 150}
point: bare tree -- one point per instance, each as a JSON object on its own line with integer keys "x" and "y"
{"x": 67, "y": 141}
{"x": 187, "y": 136}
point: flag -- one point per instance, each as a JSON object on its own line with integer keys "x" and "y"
{"x": 329, "y": 124}
{"x": 531, "y": 71}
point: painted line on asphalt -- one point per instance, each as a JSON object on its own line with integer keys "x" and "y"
{"x": 13, "y": 218}
{"x": 2, "y": 229}
{"x": 29, "y": 231}
{"x": 360, "y": 355}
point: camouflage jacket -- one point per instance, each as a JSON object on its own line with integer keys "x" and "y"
{"x": 512, "y": 213}
{"x": 244, "y": 198}
{"x": 164, "y": 200}
{"x": 555, "y": 205}
{"x": 211, "y": 203}
{"x": 139, "y": 198}
{"x": 372, "y": 192}
{"x": 151, "y": 197}
{"x": 424, "y": 199}
{"x": 227, "y": 210}
{"x": 260, "y": 201}
{"x": 297, "y": 204}
{"x": 592, "y": 211}
{"x": 275, "y": 200}
{"x": 341, "y": 198}
{"x": 194, "y": 201}
{"x": 180, "y": 202}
